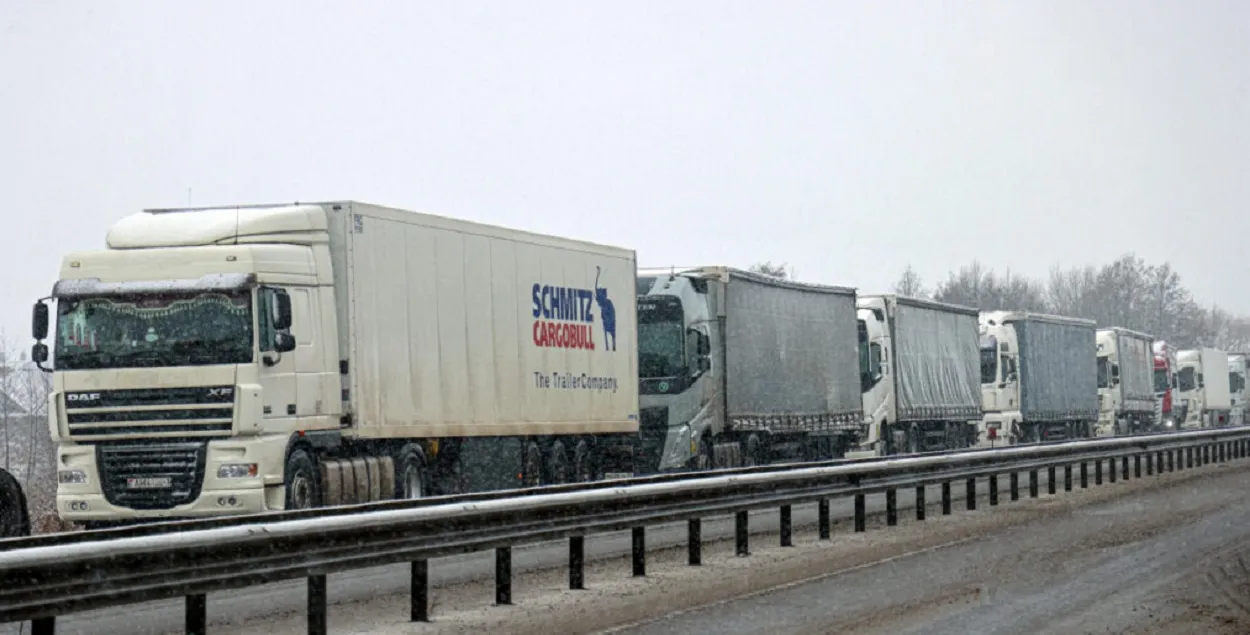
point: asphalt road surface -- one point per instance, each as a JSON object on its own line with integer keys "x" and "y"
{"x": 1171, "y": 560}
{"x": 238, "y": 607}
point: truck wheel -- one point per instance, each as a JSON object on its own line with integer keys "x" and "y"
{"x": 583, "y": 463}
{"x": 303, "y": 489}
{"x": 410, "y": 474}
{"x": 533, "y": 466}
{"x": 558, "y": 464}
{"x": 14, "y": 520}
{"x": 704, "y": 460}
{"x": 751, "y": 453}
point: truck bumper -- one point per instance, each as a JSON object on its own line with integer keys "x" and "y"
{"x": 198, "y": 491}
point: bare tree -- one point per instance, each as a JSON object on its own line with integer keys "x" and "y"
{"x": 768, "y": 268}
{"x": 910, "y": 285}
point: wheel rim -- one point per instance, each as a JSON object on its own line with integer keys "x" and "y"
{"x": 301, "y": 491}
{"x": 412, "y": 483}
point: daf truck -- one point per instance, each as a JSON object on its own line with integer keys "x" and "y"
{"x": 738, "y": 368}
{"x": 238, "y": 359}
{"x": 919, "y": 374}
{"x": 1204, "y": 386}
{"x": 1038, "y": 377}
{"x": 1126, "y": 392}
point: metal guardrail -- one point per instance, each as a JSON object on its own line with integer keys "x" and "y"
{"x": 153, "y": 528}
{"x": 39, "y": 583}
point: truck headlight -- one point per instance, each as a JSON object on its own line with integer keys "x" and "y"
{"x": 71, "y": 477}
{"x": 237, "y": 470}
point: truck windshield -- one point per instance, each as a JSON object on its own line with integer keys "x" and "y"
{"x": 1161, "y": 381}
{"x": 154, "y": 330}
{"x": 661, "y": 337}
{"x": 1104, "y": 372}
{"x": 1186, "y": 379}
{"x": 989, "y": 360}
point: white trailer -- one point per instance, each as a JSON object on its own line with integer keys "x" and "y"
{"x": 271, "y": 357}
{"x": 1203, "y": 384}
{"x": 1126, "y": 394}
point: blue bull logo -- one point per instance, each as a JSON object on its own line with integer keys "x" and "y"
{"x": 564, "y": 316}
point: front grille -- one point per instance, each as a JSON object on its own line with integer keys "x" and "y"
{"x": 652, "y": 431}
{"x": 196, "y": 411}
{"x": 151, "y": 475}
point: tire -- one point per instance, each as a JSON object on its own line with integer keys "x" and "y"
{"x": 583, "y": 463}
{"x": 532, "y": 472}
{"x": 558, "y": 464}
{"x": 704, "y": 460}
{"x": 751, "y": 451}
{"x": 410, "y": 474}
{"x": 14, "y": 517}
{"x": 303, "y": 487}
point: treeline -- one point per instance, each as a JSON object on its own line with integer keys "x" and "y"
{"x": 1128, "y": 292}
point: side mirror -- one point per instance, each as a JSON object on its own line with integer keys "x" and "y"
{"x": 705, "y": 364}
{"x": 705, "y": 344}
{"x": 282, "y": 311}
{"x": 39, "y": 353}
{"x": 283, "y": 342}
{"x": 39, "y": 321}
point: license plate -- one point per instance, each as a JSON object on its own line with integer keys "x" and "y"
{"x": 155, "y": 482}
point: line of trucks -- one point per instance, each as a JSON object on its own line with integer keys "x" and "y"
{"x": 231, "y": 360}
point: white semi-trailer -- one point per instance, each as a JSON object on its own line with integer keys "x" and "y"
{"x": 740, "y": 368}
{"x": 1126, "y": 393}
{"x": 1038, "y": 377}
{"x": 1238, "y": 366}
{"x": 241, "y": 359}
{"x": 919, "y": 375}
{"x": 1204, "y": 386}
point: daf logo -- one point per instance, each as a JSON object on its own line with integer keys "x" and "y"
{"x": 220, "y": 392}
{"x": 83, "y": 396}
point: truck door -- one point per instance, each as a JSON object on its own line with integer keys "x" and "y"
{"x": 309, "y": 366}
{"x": 277, "y": 371}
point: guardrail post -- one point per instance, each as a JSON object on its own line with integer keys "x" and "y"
{"x": 946, "y": 498}
{"x": 920, "y": 503}
{"x": 317, "y": 605}
{"x": 1171, "y": 460}
{"x": 1150, "y": 464}
{"x": 640, "y": 551}
{"x": 577, "y": 563}
{"x": 993, "y": 489}
{"x": 694, "y": 542}
{"x": 1034, "y": 483}
{"x": 1136, "y": 466}
{"x": 891, "y": 508}
{"x": 1051, "y": 483}
{"x": 1084, "y": 475}
{"x": 1159, "y": 462}
{"x": 861, "y": 520}
{"x": 742, "y": 537}
{"x": 1098, "y": 472}
{"x": 1111, "y": 471}
{"x": 1223, "y": 452}
{"x": 1189, "y": 458}
{"x": 787, "y": 537}
{"x": 1206, "y": 454}
{"x": 970, "y": 490}
{"x": 43, "y": 626}
{"x": 822, "y": 510}
{"x": 503, "y": 576}
{"x": 1124, "y": 466}
{"x": 197, "y": 614}
{"x": 419, "y": 611}
{"x": 1013, "y": 484}
{"x": 1067, "y": 477}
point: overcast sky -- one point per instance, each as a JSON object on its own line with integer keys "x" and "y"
{"x": 846, "y": 138}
